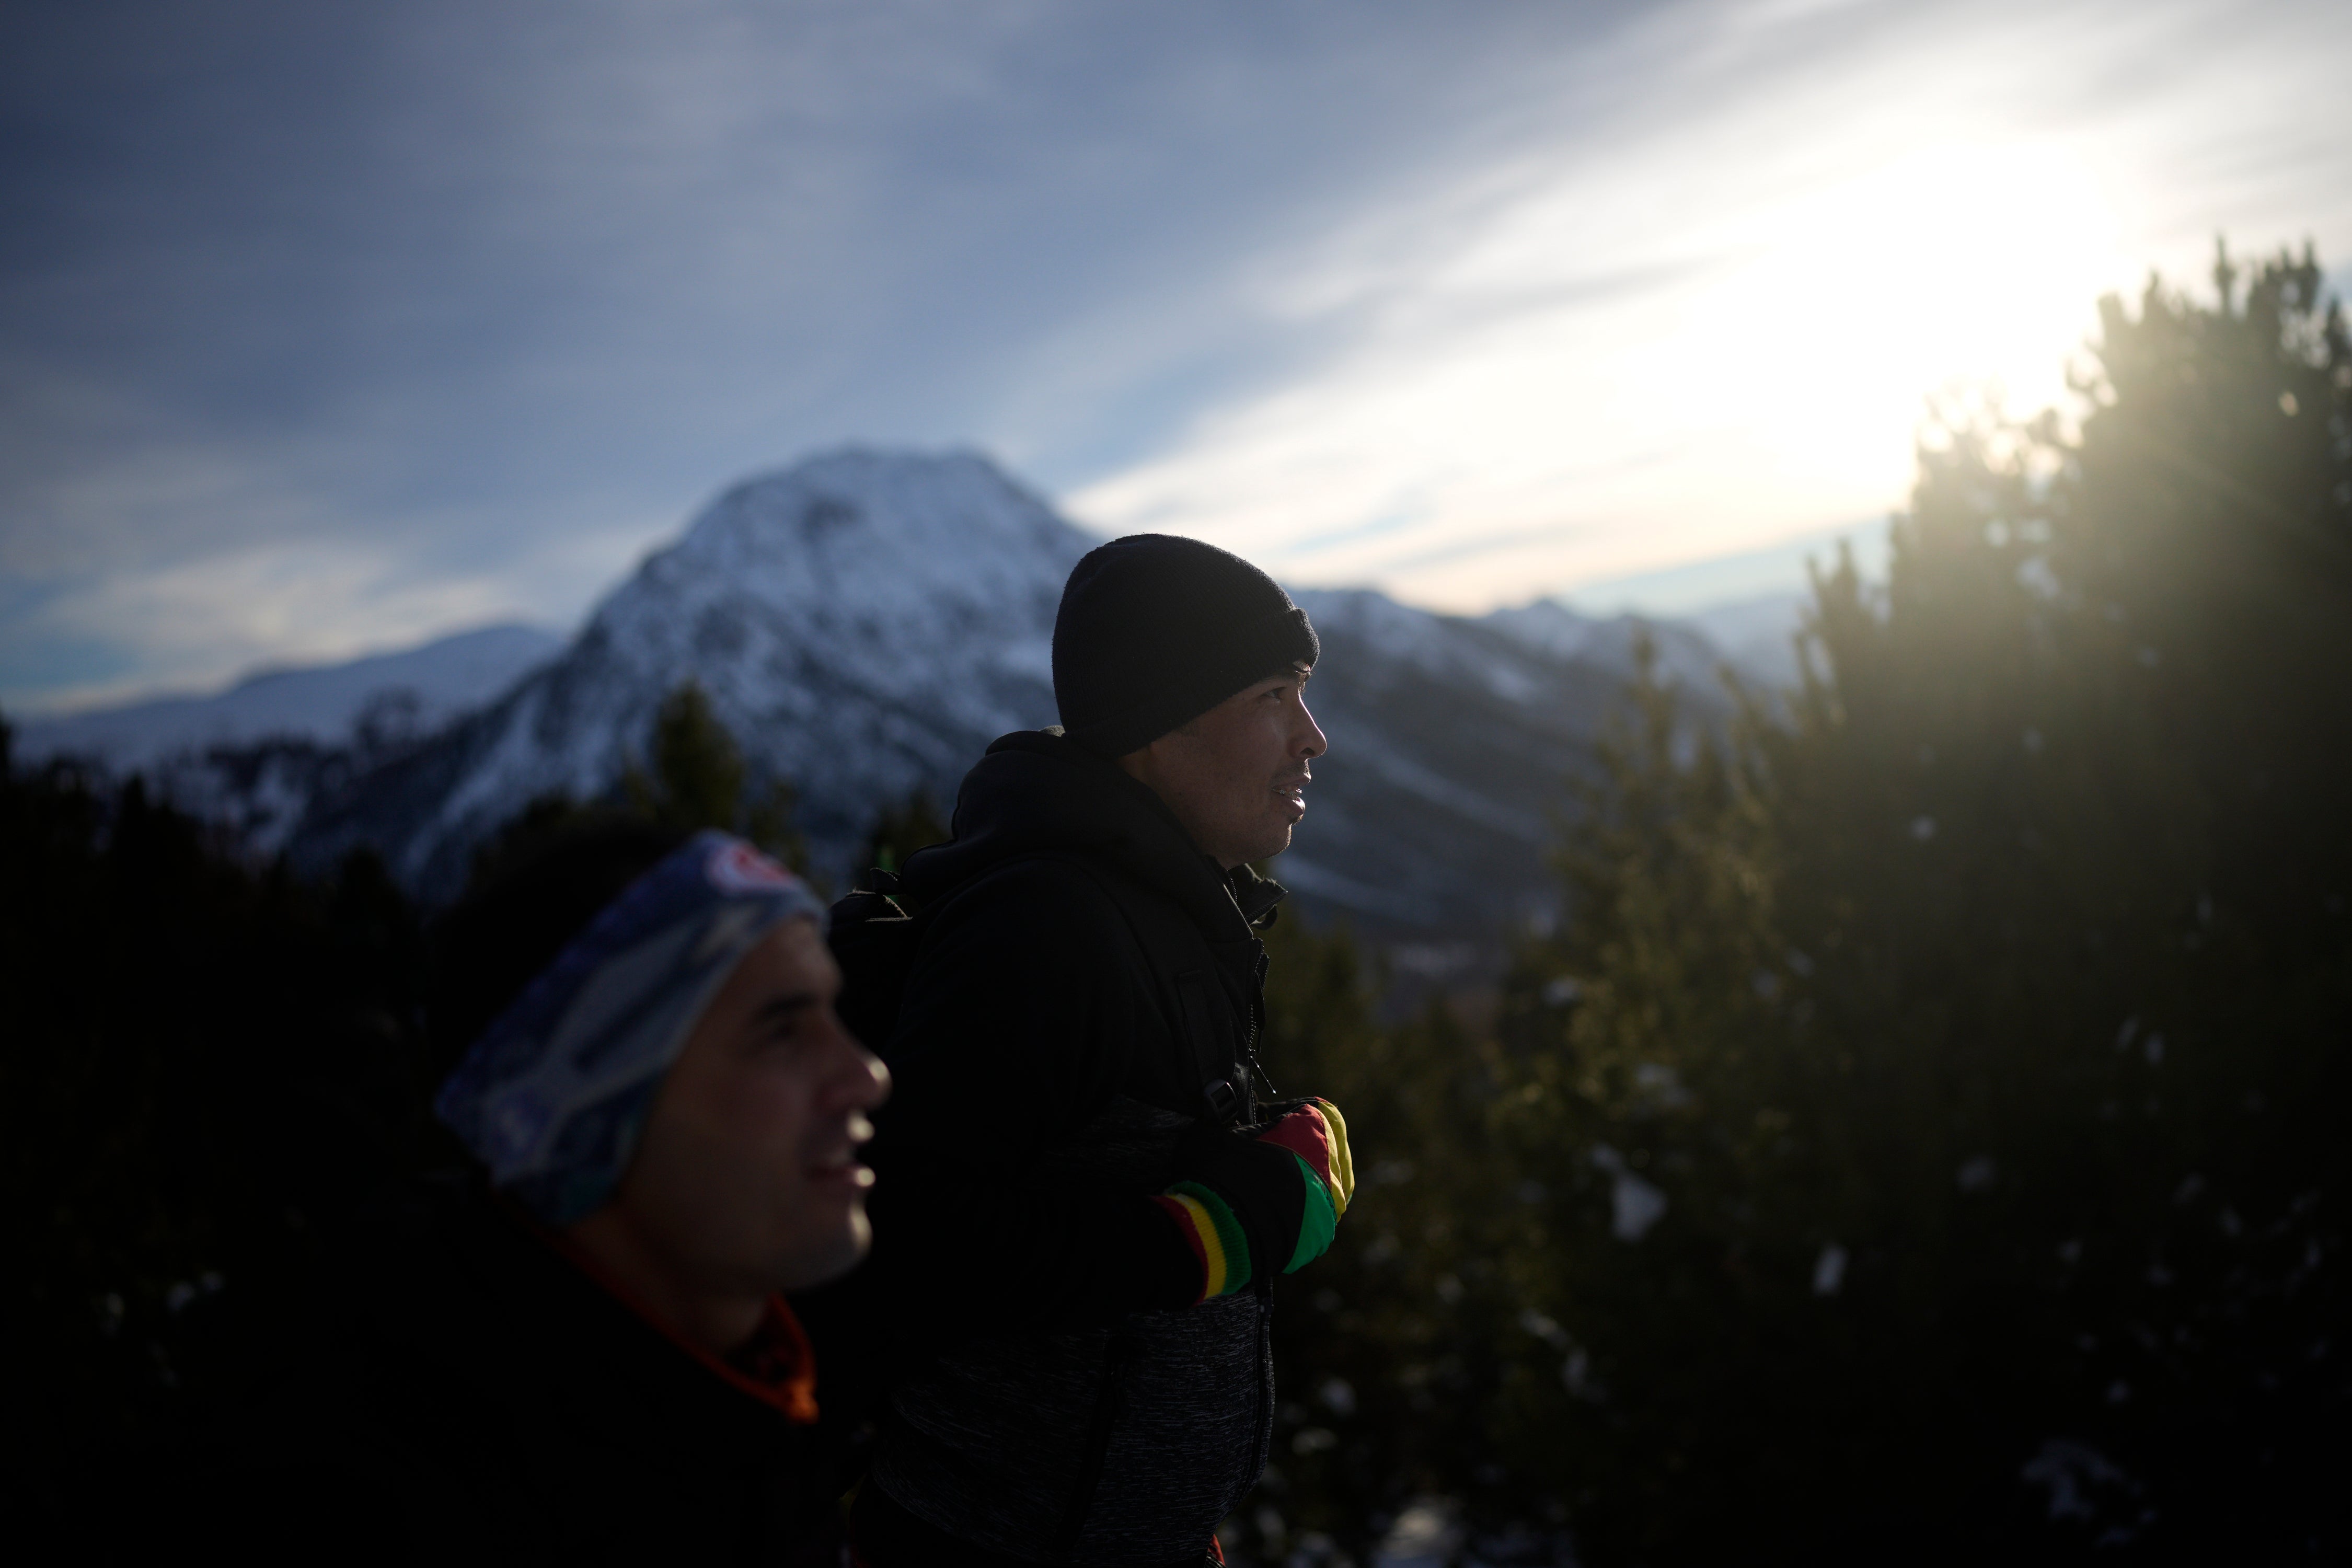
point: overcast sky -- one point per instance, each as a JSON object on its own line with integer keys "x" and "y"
{"x": 323, "y": 329}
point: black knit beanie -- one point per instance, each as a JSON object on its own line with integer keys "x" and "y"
{"x": 1155, "y": 630}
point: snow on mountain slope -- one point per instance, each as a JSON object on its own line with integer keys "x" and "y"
{"x": 1686, "y": 656}
{"x": 391, "y": 695}
{"x": 1452, "y": 746}
{"x": 864, "y": 624}
{"x": 1434, "y": 644}
{"x": 1755, "y": 636}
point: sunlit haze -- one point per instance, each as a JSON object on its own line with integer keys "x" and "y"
{"x": 1610, "y": 357}
{"x": 346, "y": 334}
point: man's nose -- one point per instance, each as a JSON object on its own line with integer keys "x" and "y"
{"x": 874, "y": 1084}
{"x": 1311, "y": 743}
{"x": 859, "y": 1081}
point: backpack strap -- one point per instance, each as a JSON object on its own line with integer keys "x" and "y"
{"x": 873, "y": 935}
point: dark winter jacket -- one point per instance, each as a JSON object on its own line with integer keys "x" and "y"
{"x": 466, "y": 1393}
{"x": 1086, "y": 988}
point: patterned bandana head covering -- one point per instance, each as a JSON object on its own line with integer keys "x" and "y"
{"x": 552, "y": 1095}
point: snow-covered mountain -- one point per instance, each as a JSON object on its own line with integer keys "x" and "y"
{"x": 1453, "y": 742}
{"x": 382, "y": 699}
{"x": 865, "y": 623}
{"x": 1685, "y": 656}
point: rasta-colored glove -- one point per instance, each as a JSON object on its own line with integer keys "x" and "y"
{"x": 1253, "y": 1205}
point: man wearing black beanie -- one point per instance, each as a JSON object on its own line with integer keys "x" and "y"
{"x": 1083, "y": 1198}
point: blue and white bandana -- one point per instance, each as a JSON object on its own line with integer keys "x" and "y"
{"x": 552, "y": 1095}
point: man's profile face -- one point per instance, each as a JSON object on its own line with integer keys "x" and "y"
{"x": 1237, "y": 776}
{"x": 745, "y": 1177}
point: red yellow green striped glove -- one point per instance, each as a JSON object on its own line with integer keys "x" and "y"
{"x": 1247, "y": 1198}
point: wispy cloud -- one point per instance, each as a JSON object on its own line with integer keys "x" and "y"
{"x": 459, "y": 309}
{"x": 1716, "y": 320}
{"x": 192, "y": 625}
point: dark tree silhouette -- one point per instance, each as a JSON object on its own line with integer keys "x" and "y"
{"x": 1921, "y": 1140}
{"x": 698, "y": 780}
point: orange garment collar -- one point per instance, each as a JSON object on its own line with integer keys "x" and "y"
{"x": 776, "y": 1366}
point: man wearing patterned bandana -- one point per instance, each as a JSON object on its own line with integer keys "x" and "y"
{"x": 1085, "y": 1198}
{"x": 584, "y": 1354}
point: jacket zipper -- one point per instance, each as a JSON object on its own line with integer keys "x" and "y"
{"x": 1257, "y": 1074}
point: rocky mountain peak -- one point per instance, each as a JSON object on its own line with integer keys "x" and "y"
{"x": 867, "y": 561}
{"x": 866, "y": 622}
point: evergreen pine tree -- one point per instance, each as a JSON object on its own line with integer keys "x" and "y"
{"x": 1981, "y": 1026}
{"x": 698, "y": 780}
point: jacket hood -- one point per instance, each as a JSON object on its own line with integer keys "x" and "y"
{"x": 1036, "y": 791}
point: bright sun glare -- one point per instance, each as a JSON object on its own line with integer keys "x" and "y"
{"x": 1510, "y": 418}
{"x": 1958, "y": 263}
